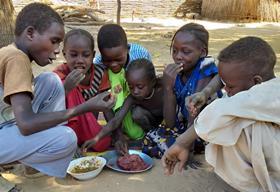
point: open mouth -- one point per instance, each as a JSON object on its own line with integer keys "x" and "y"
{"x": 80, "y": 68}
{"x": 50, "y": 61}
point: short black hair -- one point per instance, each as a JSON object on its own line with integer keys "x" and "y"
{"x": 79, "y": 32}
{"x": 38, "y": 15}
{"x": 145, "y": 64}
{"x": 198, "y": 31}
{"x": 111, "y": 35}
{"x": 255, "y": 53}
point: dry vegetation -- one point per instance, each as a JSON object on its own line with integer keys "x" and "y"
{"x": 242, "y": 10}
{"x": 6, "y": 22}
{"x": 234, "y": 10}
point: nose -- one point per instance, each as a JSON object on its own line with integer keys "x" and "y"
{"x": 80, "y": 59}
{"x": 57, "y": 50}
{"x": 54, "y": 53}
{"x": 135, "y": 91}
{"x": 178, "y": 56}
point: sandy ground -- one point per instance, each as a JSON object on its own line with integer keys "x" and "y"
{"x": 190, "y": 180}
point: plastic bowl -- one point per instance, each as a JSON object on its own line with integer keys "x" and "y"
{"x": 89, "y": 174}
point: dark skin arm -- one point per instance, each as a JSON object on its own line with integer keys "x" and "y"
{"x": 178, "y": 152}
{"x": 108, "y": 115}
{"x": 169, "y": 99}
{"x": 113, "y": 124}
{"x": 200, "y": 86}
{"x": 30, "y": 122}
{"x": 121, "y": 144}
{"x": 199, "y": 99}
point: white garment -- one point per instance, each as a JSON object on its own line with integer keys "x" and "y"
{"x": 244, "y": 136}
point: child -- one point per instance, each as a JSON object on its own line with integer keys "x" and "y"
{"x": 31, "y": 129}
{"x": 82, "y": 81}
{"x": 242, "y": 129}
{"x": 145, "y": 100}
{"x": 116, "y": 55}
{"x": 191, "y": 72}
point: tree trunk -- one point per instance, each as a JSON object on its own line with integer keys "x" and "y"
{"x": 119, "y": 12}
{"x": 6, "y": 22}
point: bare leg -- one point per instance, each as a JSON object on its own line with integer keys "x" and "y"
{"x": 144, "y": 118}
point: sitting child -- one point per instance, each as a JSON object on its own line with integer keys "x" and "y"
{"x": 82, "y": 81}
{"x": 243, "y": 129}
{"x": 33, "y": 109}
{"x": 145, "y": 99}
{"x": 191, "y": 72}
{"x": 116, "y": 55}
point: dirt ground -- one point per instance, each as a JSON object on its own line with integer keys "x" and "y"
{"x": 190, "y": 180}
{"x": 156, "y": 38}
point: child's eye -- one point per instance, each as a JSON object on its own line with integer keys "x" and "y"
{"x": 55, "y": 41}
{"x": 73, "y": 55}
{"x": 86, "y": 55}
{"x": 186, "y": 51}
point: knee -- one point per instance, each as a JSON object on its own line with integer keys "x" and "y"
{"x": 137, "y": 115}
{"x": 68, "y": 139}
{"x": 49, "y": 79}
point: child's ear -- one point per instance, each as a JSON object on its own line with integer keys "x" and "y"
{"x": 203, "y": 53}
{"x": 257, "y": 79}
{"x": 30, "y": 32}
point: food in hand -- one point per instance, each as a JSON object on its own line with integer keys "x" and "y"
{"x": 131, "y": 162}
{"x": 86, "y": 166}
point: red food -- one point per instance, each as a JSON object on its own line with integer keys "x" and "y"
{"x": 132, "y": 163}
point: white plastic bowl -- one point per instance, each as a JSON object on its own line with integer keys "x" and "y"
{"x": 86, "y": 175}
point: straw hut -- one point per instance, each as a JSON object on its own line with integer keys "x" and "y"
{"x": 6, "y": 22}
{"x": 241, "y": 10}
{"x": 190, "y": 9}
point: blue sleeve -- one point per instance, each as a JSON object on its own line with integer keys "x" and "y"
{"x": 138, "y": 52}
{"x": 97, "y": 60}
{"x": 147, "y": 55}
{"x": 209, "y": 70}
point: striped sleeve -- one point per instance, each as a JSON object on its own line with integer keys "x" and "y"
{"x": 137, "y": 52}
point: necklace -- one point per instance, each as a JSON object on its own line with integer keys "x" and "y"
{"x": 150, "y": 96}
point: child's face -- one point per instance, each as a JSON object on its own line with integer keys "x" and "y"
{"x": 235, "y": 77}
{"x": 186, "y": 50}
{"x": 44, "y": 47}
{"x": 78, "y": 53}
{"x": 114, "y": 58}
{"x": 140, "y": 87}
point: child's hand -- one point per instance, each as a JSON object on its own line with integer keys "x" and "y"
{"x": 88, "y": 144}
{"x": 73, "y": 79}
{"x": 169, "y": 74}
{"x": 101, "y": 102}
{"x": 121, "y": 146}
{"x": 175, "y": 154}
{"x": 195, "y": 102}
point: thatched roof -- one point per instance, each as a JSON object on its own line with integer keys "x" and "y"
{"x": 249, "y": 10}
{"x": 238, "y": 10}
{"x": 188, "y": 7}
{"x": 6, "y": 22}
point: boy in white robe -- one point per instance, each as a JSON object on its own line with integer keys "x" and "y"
{"x": 243, "y": 130}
